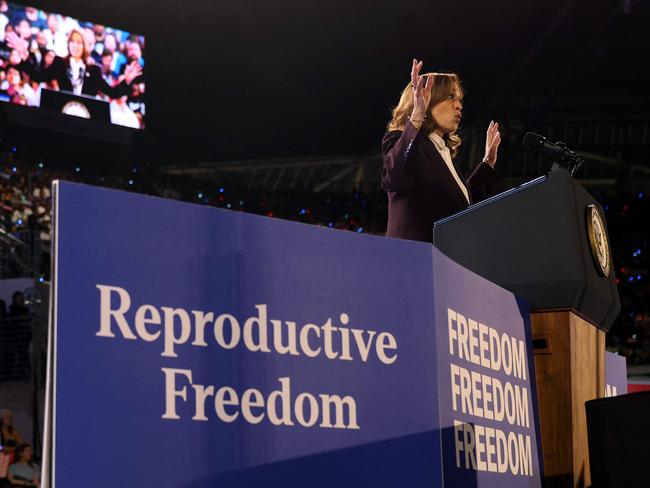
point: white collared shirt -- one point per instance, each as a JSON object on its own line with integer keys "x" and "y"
{"x": 77, "y": 72}
{"x": 442, "y": 148}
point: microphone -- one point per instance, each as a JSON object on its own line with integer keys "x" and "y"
{"x": 537, "y": 143}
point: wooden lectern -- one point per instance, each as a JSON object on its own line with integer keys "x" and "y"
{"x": 569, "y": 371}
{"x": 546, "y": 241}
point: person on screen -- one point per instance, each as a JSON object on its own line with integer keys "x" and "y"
{"x": 39, "y": 47}
{"x": 24, "y": 30}
{"x": 19, "y": 92}
{"x": 91, "y": 43}
{"x": 419, "y": 174}
{"x": 56, "y": 39}
{"x": 4, "y": 20}
{"x": 107, "y": 67}
{"x": 118, "y": 59}
{"x": 133, "y": 55}
{"x": 74, "y": 73}
{"x": 36, "y": 18}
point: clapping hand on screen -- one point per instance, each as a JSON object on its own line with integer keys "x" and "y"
{"x": 19, "y": 44}
{"x": 132, "y": 71}
{"x": 492, "y": 141}
{"x": 421, "y": 92}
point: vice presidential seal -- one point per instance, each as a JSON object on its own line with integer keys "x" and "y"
{"x": 598, "y": 240}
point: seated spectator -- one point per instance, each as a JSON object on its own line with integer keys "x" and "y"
{"x": 20, "y": 216}
{"x": 41, "y": 191}
{"x": 9, "y": 436}
{"x": 24, "y": 471}
{"x": 17, "y": 307}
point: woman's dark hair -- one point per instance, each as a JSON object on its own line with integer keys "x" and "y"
{"x": 19, "y": 451}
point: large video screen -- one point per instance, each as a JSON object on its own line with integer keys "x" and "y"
{"x": 61, "y": 64}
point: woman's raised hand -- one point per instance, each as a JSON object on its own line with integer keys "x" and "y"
{"x": 422, "y": 86}
{"x": 492, "y": 141}
{"x": 17, "y": 43}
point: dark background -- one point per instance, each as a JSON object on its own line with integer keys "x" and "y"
{"x": 255, "y": 79}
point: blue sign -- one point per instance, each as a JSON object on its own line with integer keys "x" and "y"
{"x": 199, "y": 347}
{"x": 487, "y": 398}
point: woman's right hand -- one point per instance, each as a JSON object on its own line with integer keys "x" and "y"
{"x": 20, "y": 45}
{"x": 422, "y": 86}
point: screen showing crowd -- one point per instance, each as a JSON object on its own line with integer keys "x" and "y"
{"x": 79, "y": 68}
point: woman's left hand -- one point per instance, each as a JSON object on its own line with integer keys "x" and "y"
{"x": 492, "y": 141}
{"x": 132, "y": 71}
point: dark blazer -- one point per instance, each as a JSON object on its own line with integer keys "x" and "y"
{"x": 420, "y": 187}
{"x": 93, "y": 84}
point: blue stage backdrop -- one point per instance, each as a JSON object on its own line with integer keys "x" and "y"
{"x": 196, "y": 347}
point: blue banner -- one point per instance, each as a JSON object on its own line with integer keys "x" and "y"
{"x": 488, "y": 402}
{"x": 201, "y": 347}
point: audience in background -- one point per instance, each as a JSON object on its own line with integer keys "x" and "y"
{"x": 24, "y": 471}
{"x": 10, "y": 438}
{"x": 17, "y": 307}
{"x": 25, "y": 210}
{"x": 25, "y": 205}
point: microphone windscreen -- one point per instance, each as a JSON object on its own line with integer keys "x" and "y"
{"x": 533, "y": 141}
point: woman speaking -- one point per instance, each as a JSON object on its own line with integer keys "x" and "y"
{"x": 419, "y": 174}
